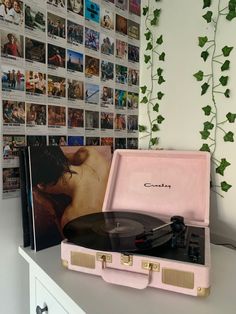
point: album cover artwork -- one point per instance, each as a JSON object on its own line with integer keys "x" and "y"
{"x": 55, "y": 172}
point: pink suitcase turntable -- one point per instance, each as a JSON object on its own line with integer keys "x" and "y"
{"x": 140, "y": 239}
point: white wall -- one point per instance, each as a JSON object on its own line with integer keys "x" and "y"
{"x": 180, "y": 24}
{"x": 14, "y": 278}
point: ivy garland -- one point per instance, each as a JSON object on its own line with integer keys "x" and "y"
{"x": 149, "y": 97}
{"x": 219, "y": 63}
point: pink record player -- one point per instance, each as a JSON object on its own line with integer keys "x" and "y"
{"x": 154, "y": 226}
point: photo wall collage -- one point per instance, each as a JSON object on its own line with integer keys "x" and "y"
{"x": 69, "y": 76}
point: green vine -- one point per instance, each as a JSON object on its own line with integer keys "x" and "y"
{"x": 150, "y": 97}
{"x": 216, "y": 85}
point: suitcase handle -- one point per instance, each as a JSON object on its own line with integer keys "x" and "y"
{"x": 126, "y": 278}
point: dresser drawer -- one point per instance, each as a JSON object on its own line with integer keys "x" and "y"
{"x": 44, "y": 298}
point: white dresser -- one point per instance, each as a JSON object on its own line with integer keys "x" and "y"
{"x": 64, "y": 291}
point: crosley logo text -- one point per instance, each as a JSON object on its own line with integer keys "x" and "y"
{"x": 162, "y": 185}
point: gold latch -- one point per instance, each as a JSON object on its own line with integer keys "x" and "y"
{"x": 150, "y": 266}
{"x": 104, "y": 258}
{"x": 126, "y": 259}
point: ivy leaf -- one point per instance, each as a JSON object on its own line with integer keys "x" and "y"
{"x": 162, "y": 56}
{"x": 204, "y": 88}
{"x": 156, "y": 107}
{"x": 226, "y": 50}
{"x": 202, "y": 41}
{"x": 160, "y": 95}
{"x": 147, "y": 58}
{"x": 206, "y": 3}
{"x": 154, "y": 21}
{"x": 154, "y": 141}
{"x": 229, "y": 137}
{"x": 142, "y": 128}
{"x": 224, "y": 80}
{"x": 232, "y": 5}
{"x": 155, "y": 128}
{"x": 143, "y": 89}
{"x": 231, "y": 15}
{"x": 160, "y": 119}
{"x": 207, "y": 110}
{"x": 199, "y": 75}
{"x": 159, "y": 71}
{"x": 225, "y": 186}
{"x": 149, "y": 46}
{"x": 157, "y": 13}
{"x": 205, "y": 134}
{"x": 205, "y": 148}
{"x": 208, "y": 125}
{"x": 208, "y": 16}
{"x": 227, "y": 93}
{"x": 231, "y": 117}
{"x": 161, "y": 80}
{"x": 148, "y": 35}
{"x": 204, "y": 55}
{"x": 145, "y": 10}
{"x": 223, "y": 165}
{"x": 144, "y": 100}
{"x": 159, "y": 40}
{"x": 225, "y": 65}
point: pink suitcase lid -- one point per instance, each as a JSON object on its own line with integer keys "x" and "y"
{"x": 161, "y": 183}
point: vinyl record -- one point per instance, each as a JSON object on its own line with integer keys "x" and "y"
{"x": 115, "y": 231}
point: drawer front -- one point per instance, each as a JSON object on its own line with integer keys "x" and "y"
{"x": 44, "y": 298}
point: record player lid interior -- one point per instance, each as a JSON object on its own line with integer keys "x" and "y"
{"x": 160, "y": 183}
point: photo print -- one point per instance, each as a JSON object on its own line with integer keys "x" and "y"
{"x": 120, "y": 99}
{"x": 107, "y": 119}
{"x": 56, "y": 56}
{"x": 12, "y": 45}
{"x": 92, "y": 141}
{"x": 75, "y": 61}
{"x": 57, "y": 140}
{"x": 107, "y": 70}
{"x": 91, "y": 39}
{"x": 121, "y": 4}
{"x": 75, "y": 90}
{"x": 121, "y": 74}
{"x": 56, "y": 86}
{"x": 36, "y": 140}
{"x": 107, "y": 19}
{"x": 120, "y": 122}
{"x": 133, "y": 77}
{"x": 91, "y": 66}
{"x": 107, "y": 141}
{"x": 56, "y": 26}
{"x": 75, "y": 33}
{"x": 36, "y": 83}
{"x": 11, "y": 11}
{"x": 75, "y": 140}
{"x": 91, "y": 94}
{"x": 13, "y": 112}
{"x": 92, "y": 11}
{"x": 120, "y": 143}
{"x": 121, "y": 49}
{"x": 133, "y": 53}
{"x": 13, "y": 78}
{"x": 35, "y": 19}
{"x": 56, "y": 116}
{"x": 135, "y": 7}
{"x": 75, "y": 118}
{"x": 121, "y": 24}
{"x": 36, "y": 114}
{"x": 10, "y": 180}
{"x": 133, "y": 30}
{"x": 132, "y": 143}
{"x": 107, "y": 44}
{"x": 57, "y": 5}
{"x": 132, "y": 101}
{"x": 107, "y": 96}
{"x": 11, "y": 146}
{"x": 76, "y": 6}
{"x": 132, "y": 123}
{"x": 91, "y": 119}
{"x": 35, "y": 51}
